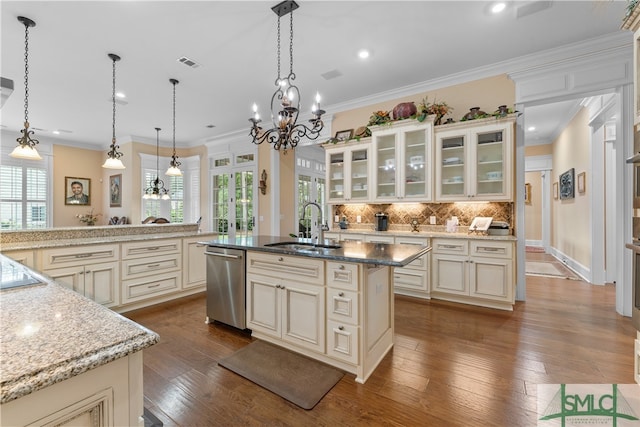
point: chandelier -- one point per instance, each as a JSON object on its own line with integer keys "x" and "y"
{"x": 174, "y": 165}
{"x": 156, "y": 189}
{"x": 113, "y": 155}
{"x": 285, "y": 102}
{"x": 26, "y": 148}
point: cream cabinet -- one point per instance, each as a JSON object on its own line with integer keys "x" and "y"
{"x": 194, "y": 263}
{"x": 474, "y": 160}
{"x": 343, "y": 311}
{"x": 150, "y": 269}
{"x": 286, "y": 298}
{"x": 402, "y": 161}
{"x": 348, "y": 171}
{"x": 25, "y": 257}
{"x": 92, "y": 271}
{"x": 476, "y": 272}
{"x": 413, "y": 279}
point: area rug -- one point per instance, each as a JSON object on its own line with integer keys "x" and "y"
{"x": 299, "y": 379}
{"x": 151, "y": 420}
{"x": 549, "y": 269}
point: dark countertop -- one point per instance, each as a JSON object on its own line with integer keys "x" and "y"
{"x": 394, "y": 255}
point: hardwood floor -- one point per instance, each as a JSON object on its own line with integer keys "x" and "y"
{"x": 452, "y": 364}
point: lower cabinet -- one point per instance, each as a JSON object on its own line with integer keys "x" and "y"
{"x": 476, "y": 272}
{"x": 23, "y": 257}
{"x": 413, "y": 279}
{"x": 194, "y": 263}
{"x": 343, "y": 311}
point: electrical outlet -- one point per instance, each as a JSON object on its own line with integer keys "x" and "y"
{"x": 358, "y": 219}
{"x": 432, "y": 220}
{"x": 336, "y": 218}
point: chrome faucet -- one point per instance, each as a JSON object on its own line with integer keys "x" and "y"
{"x": 322, "y": 227}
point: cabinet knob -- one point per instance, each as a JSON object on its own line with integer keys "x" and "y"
{"x": 341, "y": 294}
{"x": 341, "y": 267}
{"x": 280, "y": 259}
{"x": 341, "y": 328}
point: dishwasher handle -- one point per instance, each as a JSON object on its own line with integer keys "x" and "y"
{"x": 222, "y": 255}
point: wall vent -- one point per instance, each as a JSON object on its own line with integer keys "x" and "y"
{"x": 188, "y": 62}
{"x": 331, "y": 74}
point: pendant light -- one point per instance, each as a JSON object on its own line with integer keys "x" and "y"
{"x": 285, "y": 102}
{"x": 156, "y": 189}
{"x": 26, "y": 148}
{"x": 174, "y": 165}
{"x": 113, "y": 155}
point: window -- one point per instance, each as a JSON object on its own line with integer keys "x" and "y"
{"x": 310, "y": 171}
{"x": 23, "y": 196}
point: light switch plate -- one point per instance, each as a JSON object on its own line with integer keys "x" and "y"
{"x": 358, "y": 219}
{"x": 432, "y": 220}
{"x": 336, "y": 218}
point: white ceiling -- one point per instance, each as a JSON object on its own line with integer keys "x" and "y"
{"x": 234, "y": 41}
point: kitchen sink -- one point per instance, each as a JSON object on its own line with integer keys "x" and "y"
{"x": 303, "y": 246}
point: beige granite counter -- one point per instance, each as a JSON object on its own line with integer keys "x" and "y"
{"x": 49, "y": 334}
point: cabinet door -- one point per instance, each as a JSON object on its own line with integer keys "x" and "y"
{"x": 303, "y": 319}
{"x": 264, "y": 305}
{"x": 343, "y": 341}
{"x": 416, "y": 173}
{"x": 358, "y": 170}
{"x": 194, "y": 264}
{"x": 492, "y": 162}
{"x": 69, "y": 277}
{"x": 450, "y": 274}
{"x": 491, "y": 278}
{"x": 385, "y": 165}
{"x": 101, "y": 283}
{"x": 451, "y": 165}
{"x": 336, "y": 173}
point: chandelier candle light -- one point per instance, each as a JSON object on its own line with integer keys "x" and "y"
{"x": 26, "y": 148}
{"x": 113, "y": 155}
{"x": 285, "y": 102}
{"x": 174, "y": 165}
{"x": 156, "y": 189}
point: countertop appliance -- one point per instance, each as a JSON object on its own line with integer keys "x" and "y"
{"x": 382, "y": 221}
{"x": 499, "y": 228}
{"x": 226, "y": 302}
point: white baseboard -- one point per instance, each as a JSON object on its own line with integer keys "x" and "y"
{"x": 579, "y": 269}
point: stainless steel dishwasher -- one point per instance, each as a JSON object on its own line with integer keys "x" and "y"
{"x": 225, "y": 286}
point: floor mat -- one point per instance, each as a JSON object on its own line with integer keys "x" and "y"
{"x": 549, "y": 269}
{"x": 299, "y": 379}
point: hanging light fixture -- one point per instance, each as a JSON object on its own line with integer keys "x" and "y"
{"x": 26, "y": 148}
{"x": 174, "y": 165}
{"x": 113, "y": 155}
{"x": 286, "y": 132}
{"x": 156, "y": 189}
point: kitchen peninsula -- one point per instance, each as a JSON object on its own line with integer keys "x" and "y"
{"x": 64, "y": 357}
{"x": 329, "y": 301}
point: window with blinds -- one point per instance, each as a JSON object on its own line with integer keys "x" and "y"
{"x": 23, "y": 197}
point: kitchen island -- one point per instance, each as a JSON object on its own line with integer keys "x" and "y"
{"x": 329, "y": 301}
{"x": 64, "y": 357}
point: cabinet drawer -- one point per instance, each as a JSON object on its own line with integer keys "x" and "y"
{"x": 410, "y": 279}
{"x": 451, "y": 246}
{"x": 153, "y": 248}
{"x": 493, "y": 249}
{"x": 345, "y": 237}
{"x": 140, "y": 289}
{"x": 342, "y": 341}
{"x": 342, "y": 305}
{"x": 379, "y": 239}
{"x": 141, "y": 267}
{"x": 286, "y": 267}
{"x": 78, "y": 255}
{"x": 342, "y": 275}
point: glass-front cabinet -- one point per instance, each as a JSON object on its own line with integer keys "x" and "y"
{"x": 402, "y": 162}
{"x": 474, "y": 160}
{"x": 348, "y": 171}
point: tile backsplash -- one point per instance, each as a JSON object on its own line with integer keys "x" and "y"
{"x": 401, "y": 214}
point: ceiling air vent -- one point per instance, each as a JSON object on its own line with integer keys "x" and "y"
{"x": 188, "y": 62}
{"x": 331, "y": 74}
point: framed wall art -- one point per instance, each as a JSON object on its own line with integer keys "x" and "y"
{"x": 582, "y": 177}
{"x": 567, "y": 185}
{"x": 555, "y": 190}
{"x": 77, "y": 191}
{"x": 344, "y": 135}
{"x": 115, "y": 191}
{"x": 527, "y": 194}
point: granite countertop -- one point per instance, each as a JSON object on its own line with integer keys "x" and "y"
{"x": 435, "y": 232}
{"x": 49, "y": 333}
{"x": 395, "y": 255}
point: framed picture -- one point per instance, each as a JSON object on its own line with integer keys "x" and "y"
{"x": 527, "y": 194}
{"x": 115, "y": 191}
{"x": 567, "y": 185}
{"x": 582, "y": 177}
{"x": 77, "y": 191}
{"x": 344, "y": 135}
{"x": 555, "y": 190}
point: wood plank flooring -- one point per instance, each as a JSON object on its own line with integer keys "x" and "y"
{"x": 452, "y": 364}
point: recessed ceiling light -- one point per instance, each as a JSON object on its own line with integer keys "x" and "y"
{"x": 531, "y": 128}
{"x": 498, "y": 7}
{"x": 120, "y": 95}
{"x": 363, "y": 54}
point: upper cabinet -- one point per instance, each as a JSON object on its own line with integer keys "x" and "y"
{"x": 348, "y": 171}
{"x": 402, "y": 161}
{"x": 474, "y": 160}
